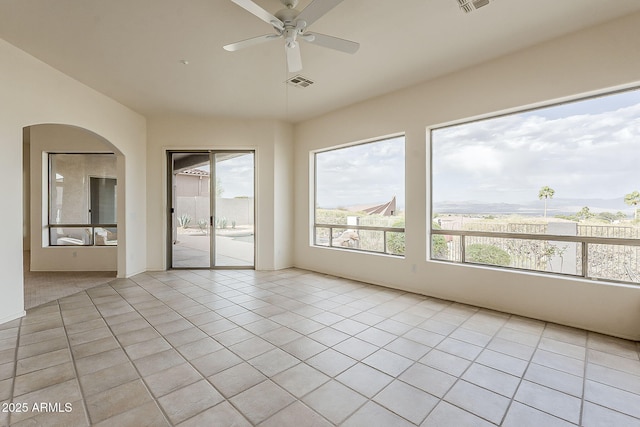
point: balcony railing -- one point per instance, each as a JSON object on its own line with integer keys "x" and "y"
{"x": 365, "y": 238}
{"x": 83, "y": 234}
{"x": 598, "y": 258}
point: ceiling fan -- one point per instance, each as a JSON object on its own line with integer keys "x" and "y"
{"x": 291, "y": 25}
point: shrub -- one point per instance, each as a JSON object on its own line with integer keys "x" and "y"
{"x": 184, "y": 220}
{"x": 222, "y": 222}
{"x": 439, "y": 247}
{"x": 334, "y": 216}
{"x": 395, "y": 241}
{"x": 487, "y": 254}
{"x": 203, "y": 224}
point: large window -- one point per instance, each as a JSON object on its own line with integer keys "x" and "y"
{"x": 359, "y": 197}
{"x": 553, "y": 189}
{"x": 82, "y": 200}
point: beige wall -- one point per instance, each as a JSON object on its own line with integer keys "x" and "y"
{"x": 268, "y": 138}
{"x": 64, "y": 139}
{"x": 192, "y": 185}
{"x": 603, "y": 57}
{"x": 240, "y": 211}
{"x": 284, "y": 206}
{"x": 586, "y": 62}
{"x": 34, "y": 93}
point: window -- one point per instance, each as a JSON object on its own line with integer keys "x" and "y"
{"x": 82, "y": 200}
{"x": 359, "y": 197}
{"x": 552, "y": 189}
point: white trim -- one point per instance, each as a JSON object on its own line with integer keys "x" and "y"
{"x": 12, "y": 317}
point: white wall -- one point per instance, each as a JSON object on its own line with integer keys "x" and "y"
{"x": 603, "y": 57}
{"x": 35, "y": 93}
{"x": 266, "y": 137}
{"x": 283, "y": 196}
{"x": 26, "y": 190}
{"x": 67, "y": 139}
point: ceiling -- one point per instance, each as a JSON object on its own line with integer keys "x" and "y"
{"x": 132, "y": 50}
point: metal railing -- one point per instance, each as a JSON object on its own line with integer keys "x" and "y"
{"x": 359, "y": 240}
{"x": 583, "y": 241}
{"x": 82, "y": 238}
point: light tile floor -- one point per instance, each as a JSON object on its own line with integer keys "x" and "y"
{"x": 41, "y": 287}
{"x": 296, "y": 348}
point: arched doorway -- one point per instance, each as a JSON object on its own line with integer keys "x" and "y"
{"x": 70, "y": 222}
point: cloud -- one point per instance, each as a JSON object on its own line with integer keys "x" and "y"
{"x": 362, "y": 174}
{"x": 577, "y": 153}
{"x": 236, "y": 176}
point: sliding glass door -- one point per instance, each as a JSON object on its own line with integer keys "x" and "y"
{"x": 211, "y": 211}
{"x": 234, "y": 209}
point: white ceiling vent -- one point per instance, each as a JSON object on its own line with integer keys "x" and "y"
{"x": 299, "y": 81}
{"x": 470, "y": 5}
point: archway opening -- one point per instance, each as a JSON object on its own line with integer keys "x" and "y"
{"x": 70, "y": 221}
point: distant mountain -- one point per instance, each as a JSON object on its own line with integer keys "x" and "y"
{"x": 559, "y": 206}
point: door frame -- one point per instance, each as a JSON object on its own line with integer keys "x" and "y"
{"x": 171, "y": 217}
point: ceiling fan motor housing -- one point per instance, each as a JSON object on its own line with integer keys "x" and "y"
{"x": 287, "y": 16}
{"x": 289, "y": 4}
{"x": 290, "y": 24}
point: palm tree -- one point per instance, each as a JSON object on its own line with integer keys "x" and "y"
{"x": 545, "y": 193}
{"x": 633, "y": 199}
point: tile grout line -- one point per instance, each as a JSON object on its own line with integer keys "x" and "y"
{"x": 15, "y": 369}
{"x": 521, "y": 379}
{"x": 120, "y": 346}
{"x": 228, "y": 400}
{"x": 370, "y": 399}
{"x": 584, "y": 370}
{"x": 140, "y": 376}
{"x": 203, "y": 377}
{"x": 584, "y": 377}
{"x": 269, "y": 378}
{"x": 183, "y": 288}
{"x": 494, "y": 335}
{"x": 73, "y": 363}
{"x": 440, "y": 399}
{"x": 459, "y": 377}
{"x": 333, "y": 378}
{"x": 559, "y": 370}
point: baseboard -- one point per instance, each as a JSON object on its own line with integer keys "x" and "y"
{"x": 12, "y": 317}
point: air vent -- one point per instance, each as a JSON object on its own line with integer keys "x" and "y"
{"x": 470, "y": 5}
{"x": 300, "y": 81}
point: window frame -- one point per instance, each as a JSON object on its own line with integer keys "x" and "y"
{"x": 583, "y": 241}
{"x": 89, "y": 227}
{"x": 315, "y": 225}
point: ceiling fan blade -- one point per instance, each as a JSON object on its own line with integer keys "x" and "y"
{"x": 331, "y": 42}
{"x": 294, "y": 59}
{"x": 316, "y": 9}
{"x": 250, "y": 42}
{"x": 253, "y": 8}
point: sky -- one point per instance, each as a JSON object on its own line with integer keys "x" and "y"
{"x": 584, "y": 150}
{"x": 587, "y": 149}
{"x": 365, "y": 174}
{"x": 235, "y": 175}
